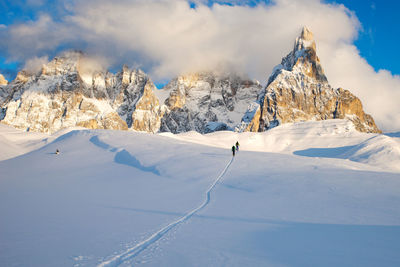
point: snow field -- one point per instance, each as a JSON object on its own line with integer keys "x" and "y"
{"x": 307, "y": 194}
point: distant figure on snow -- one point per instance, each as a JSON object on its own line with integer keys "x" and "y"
{"x": 237, "y": 145}
{"x": 233, "y": 150}
{"x": 57, "y": 151}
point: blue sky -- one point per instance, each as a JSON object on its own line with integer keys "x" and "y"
{"x": 377, "y": 40}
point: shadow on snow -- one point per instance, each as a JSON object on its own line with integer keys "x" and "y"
{"x": 123, "y": 156}
{"x": 334, "y": 152}
{"x": 395, "y": 134}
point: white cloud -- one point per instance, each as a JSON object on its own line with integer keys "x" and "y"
{"x": 378, "y": 91}
{"x": 33, "y": 38}
{"x": 167, "y": 37}
{"x": 35, "y": 64}
{"x": 91, "y": 65}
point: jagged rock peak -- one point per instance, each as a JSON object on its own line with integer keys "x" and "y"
{"x": 299, "y": 91}
{"x": 306, "y": 34}
{"x": 3, "y": 80}
{"x": 22, "y": 77}
{"x": 305, "y": 40}
{"x": 67, "y": 61}
{"x": 302, "y": 59}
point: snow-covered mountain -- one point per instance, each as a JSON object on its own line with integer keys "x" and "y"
{"x": 207, "y": 102}
{"x": 66, "y": 93}
{"x": 298, "y": 90}
{"x": 69, "y": 91}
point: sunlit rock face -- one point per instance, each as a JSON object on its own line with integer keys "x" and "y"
{"x": 3, "y": 80}
{"x": 207, "y": 102}
{"x": 298, "y": 90}
{"x": 148, "y": 112}
{"x": 35, "y": 111}
{"x": 66, "y": 92}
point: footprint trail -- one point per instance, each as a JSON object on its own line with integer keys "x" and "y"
{"x": 135, "y": 250}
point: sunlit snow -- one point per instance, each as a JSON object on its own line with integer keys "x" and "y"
{"x": 302, "y": 194}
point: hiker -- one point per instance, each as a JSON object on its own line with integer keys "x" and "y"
{"x": 233, "y": 150}
{"x": 57, "y": 151}
{"x": 237, "y": 145}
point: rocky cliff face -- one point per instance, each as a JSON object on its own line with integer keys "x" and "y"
{"x": 65, "y": 94}
{"x": 298, "y": 90}
{"x": 148, "y": 111}
{"x": 207, "y": 102}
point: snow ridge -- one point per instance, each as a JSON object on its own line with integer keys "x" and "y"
{"x": 135, "y": 250}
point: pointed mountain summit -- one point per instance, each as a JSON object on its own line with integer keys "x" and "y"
{"x": 302, "y": 59}
{"x": 298, "y": 90}
{"x": 305, "y": 56}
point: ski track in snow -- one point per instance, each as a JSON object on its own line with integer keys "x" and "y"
{"x": 135, "y": 250}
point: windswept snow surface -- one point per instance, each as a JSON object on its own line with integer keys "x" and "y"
{"x": 305, "y": 194}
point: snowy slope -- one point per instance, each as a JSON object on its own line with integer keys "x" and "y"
{"x": 124, "y": 198}
{"x": 335, "y": 139}
{"x": 15, "y": 142}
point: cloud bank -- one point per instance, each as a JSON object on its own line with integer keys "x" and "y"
{"x": 170, "y": 37}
